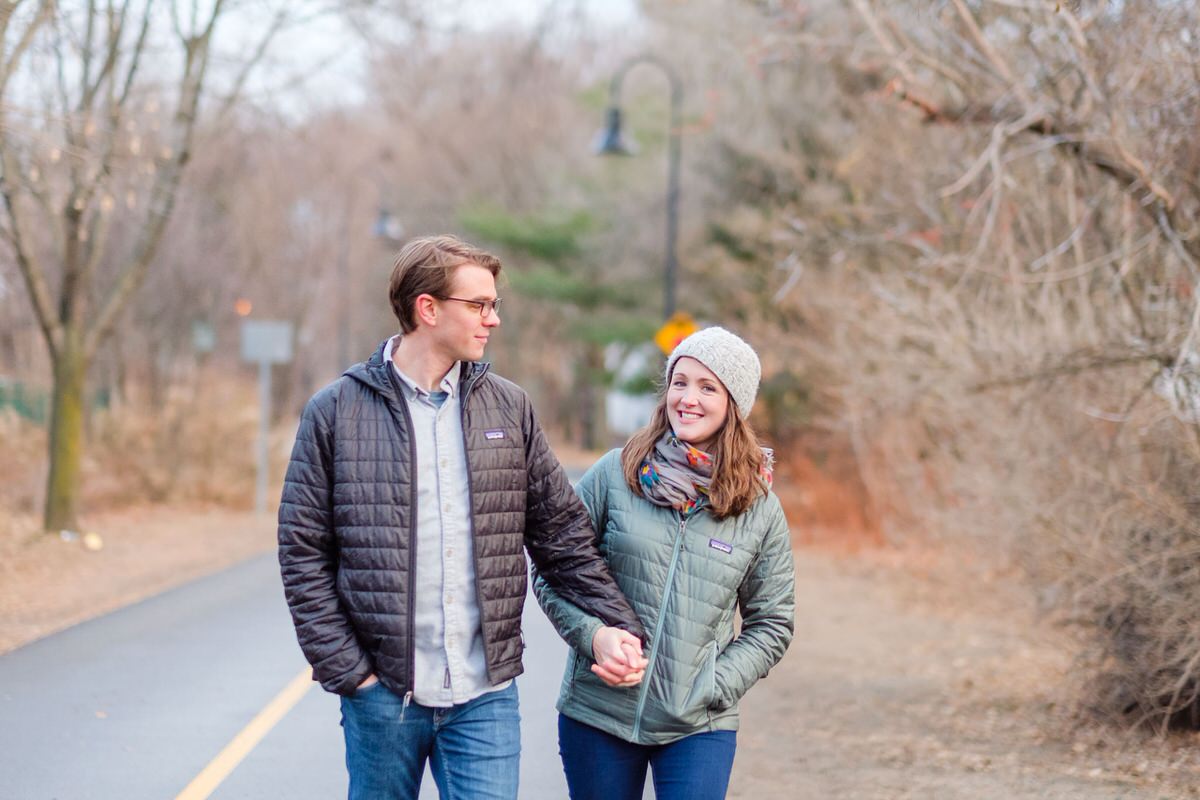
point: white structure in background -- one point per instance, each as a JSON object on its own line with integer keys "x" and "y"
{"x": 625, "y": 413}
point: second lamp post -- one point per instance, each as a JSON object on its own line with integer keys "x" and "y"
{"x": 611, "y": 141}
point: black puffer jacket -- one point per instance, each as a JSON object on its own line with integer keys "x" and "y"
{"x": 347, "y": 527}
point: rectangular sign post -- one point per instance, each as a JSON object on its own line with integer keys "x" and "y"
{"x": 265, "y": 342}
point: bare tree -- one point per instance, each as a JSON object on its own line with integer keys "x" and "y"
{"x": 99, "y": 105}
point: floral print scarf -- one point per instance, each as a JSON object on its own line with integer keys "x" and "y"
{"x": 677, "y": 475}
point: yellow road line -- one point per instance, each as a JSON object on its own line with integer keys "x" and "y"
{"x": 247, "y": 739}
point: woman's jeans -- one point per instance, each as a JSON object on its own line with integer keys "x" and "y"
{"x": 603, "y": 767}
{"x": 473, "y": 749}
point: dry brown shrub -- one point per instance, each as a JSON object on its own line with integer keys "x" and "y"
{"x": 1083, "y": 478}
{"x": 1128, "y": 564}
{"x": 978, "y": 223}
{"x": 23, "y": 449}
{"x": 195, "y": 447}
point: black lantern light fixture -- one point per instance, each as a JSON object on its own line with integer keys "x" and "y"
{"x": 611, "y": 141}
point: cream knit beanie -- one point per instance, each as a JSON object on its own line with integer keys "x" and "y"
{"x": 729, "y": 357}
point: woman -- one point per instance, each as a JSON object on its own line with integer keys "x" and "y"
{"x": 692, "y": 533}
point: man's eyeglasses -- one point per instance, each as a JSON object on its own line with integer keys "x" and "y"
{"x": 484, "y": 307}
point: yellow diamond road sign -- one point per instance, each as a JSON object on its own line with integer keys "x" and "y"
{"x": 675, "y": 330}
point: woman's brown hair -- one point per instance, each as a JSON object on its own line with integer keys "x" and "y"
{"x": 737, "y": 460}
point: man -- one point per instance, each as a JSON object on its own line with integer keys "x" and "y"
{"x": 415, "y": 480}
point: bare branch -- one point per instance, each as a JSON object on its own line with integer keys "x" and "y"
{"x": 260, "y": 51}
{"x": 115, "y": 109}
{"x": 32, "y": 271}
{"x": 993, "y": 57}
{"x": 85, "y": 50}
{"x": 1124, "y": 168}
{"x": 165, "y": 187}
{"x": 135, "y": 56}
{"x": 868, "y": 15}
{"x": 1076, "y": 364}
{"x": 44, "y": 15}
{"x": 115, "y": 32}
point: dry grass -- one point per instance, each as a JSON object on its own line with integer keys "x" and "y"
{"x": 195, "y": 447}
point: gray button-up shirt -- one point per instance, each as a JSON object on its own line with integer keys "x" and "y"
{"x": 449, "y": 662}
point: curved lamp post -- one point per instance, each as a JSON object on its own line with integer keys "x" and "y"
{"x": 611, "y": 141}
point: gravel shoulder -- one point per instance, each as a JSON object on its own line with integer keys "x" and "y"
{"x": 900, "y": 685}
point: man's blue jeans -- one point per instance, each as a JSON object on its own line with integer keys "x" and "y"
{"x": 603, "y": 767}
{"x": 474, "y": 749}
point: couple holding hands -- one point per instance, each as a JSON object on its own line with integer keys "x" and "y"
{"x": 417, "y": 482}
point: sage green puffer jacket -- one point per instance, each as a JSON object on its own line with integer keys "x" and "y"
{"x": 685, "y": 579}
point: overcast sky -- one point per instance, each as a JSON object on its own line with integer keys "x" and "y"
{"x": 484, "y": 13}
{"x": 331, "y": 59}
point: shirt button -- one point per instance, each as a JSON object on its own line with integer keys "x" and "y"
{"x": 450, "y": 602}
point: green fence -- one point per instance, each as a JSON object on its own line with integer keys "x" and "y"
{"x": 32, "y": 404}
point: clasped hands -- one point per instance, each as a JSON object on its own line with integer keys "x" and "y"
{"x": 618, "y": 657}
{"x": 617, "y": 653}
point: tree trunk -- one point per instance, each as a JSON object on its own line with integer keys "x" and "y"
{"x": 66, "y": 436}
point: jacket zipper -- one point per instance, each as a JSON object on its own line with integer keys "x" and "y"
{"x": 412, "y": 535}
{"x": 468, "y": 385}
{"x": 412, "y": 525}
{"x": 656, "y": 639}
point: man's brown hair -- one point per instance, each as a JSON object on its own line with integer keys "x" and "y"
{"x": 426, "y": 266}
